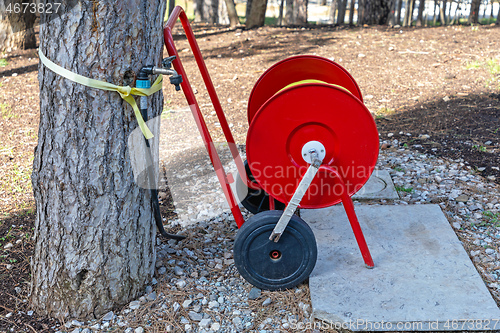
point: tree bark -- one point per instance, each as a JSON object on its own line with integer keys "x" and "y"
{"x": 333, "y": 10}
{"x": 361, "y": 12}
{"x": 498, "y": 15}
{"x": 210, "y": 11}
{"x": 376, "y": 12}
{"x": 198, "y": 11}
{"x": 231, "y": 12}
{"x": 407, "y": 13}
{"x": 398, "y": 12}
{"x": 94, "y": 229}
{"x": 474, "y": 11}
{"x": 351, "y": 13}
{"x": 420, "y": 16}
{"x": 171, "y": 6}
{"x": 16, "y": 29}
{"x": 301, "y": 12}
{"x": 257, "y": 14}
{"x": 280, "y": 16}
{"x": 341, "y": 12}
{"x": 289, "y": 19}
{"x": 434, "y": 16}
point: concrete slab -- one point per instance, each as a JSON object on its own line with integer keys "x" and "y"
{"x": 423, "y": 279}
{"x": 379, "y": 186}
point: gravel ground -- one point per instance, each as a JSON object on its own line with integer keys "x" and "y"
{"x": 198, "y": 289}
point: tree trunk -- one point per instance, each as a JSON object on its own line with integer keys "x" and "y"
{"x": 171, "y": 6}
{"x": 231, "y": 12}
{"x": 498, "y": 15}
{"x": 407, "y": 13}
{"x": 376, "y": 12}
{"x": 248, "y": 8}
{"x": 398, "y": 12}
{"x": 257, "y": 14}
{"x": 16, "y": 29}
{"x": 455, "y": 16}
{"x": 301, "y": 12}
{"x": 94, "y": 229}
{"x": 289, "y": 19}
{"x": 361, "y": 12}
{"x": 420, "y": 16}
{"x": 341, "y": 12}
{"x": 280, "y": 16}
{"x": 442, "y": 17}
{"x": 474, "y": 11}
{"x": 333, "y": 10}
{"x": 211, "y": 11}
{"x": 392, "y": 14}
{"x": 351, "y": 13}
{"x": 445, "y": 17}
{"x": 434, "y": 16}
{"x": 198, "y": 11}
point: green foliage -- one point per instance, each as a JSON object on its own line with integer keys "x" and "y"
{"x": 479, "y": 148}
{"x": 473, "y": 65}
{"x": 404, "y": 189}
{"x": 6, "y": 111}
{"x": 7, "y": 236}
{"x": 3, "y": 62}
{"x": 490, "y": 219}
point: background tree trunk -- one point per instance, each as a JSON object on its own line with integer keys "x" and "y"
{"x": 301, "y": 14}
{"x": 341, "y": 11}
{"x": 361, "y": 12}
{"x": 171, "y": 6}
{"x": 231, "y": 12}
{"x": 407, "y": 13}
{"x": 16, "y": 29}
{"x": 351, "y": 12}
{"x": 420, "y": 16}
{"x": 94, "y": 229}
{"x": 289, "y": 19}
{"x": 398, "y": 12}
{"x": 474, "y": 11}
{"x": 498, "y": 16}
{"x": 257, "y": 15}
{"x": 280, "y": 16}
{"x": 333, "y": 10}
{"x": 376, "y": 12}
{"x": 248, "y": 8}
{"x": 198, "y": 11}
{"x": 434, "y": 16}
{"x": 210, "y": 11}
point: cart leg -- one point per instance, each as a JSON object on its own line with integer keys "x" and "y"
{"x": 353, "y": 219}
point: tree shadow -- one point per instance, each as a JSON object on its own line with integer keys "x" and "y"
{"x": 463, "y": 127}
{"x": 19, "y": 70}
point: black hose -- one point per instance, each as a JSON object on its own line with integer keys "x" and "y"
{"x": 153, "y": 191}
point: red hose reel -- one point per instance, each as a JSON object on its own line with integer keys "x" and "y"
{"x": 311, "y": 144}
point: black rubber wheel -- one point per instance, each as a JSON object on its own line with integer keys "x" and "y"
{"x": 274, "y": 266}
{"x": 256, "y": 201}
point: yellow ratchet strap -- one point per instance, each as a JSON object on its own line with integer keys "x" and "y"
{"x": 125, "y": 92}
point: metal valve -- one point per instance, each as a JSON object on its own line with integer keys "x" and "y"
{"x": 176, "y": 80}
{"x": 167, "y": 62}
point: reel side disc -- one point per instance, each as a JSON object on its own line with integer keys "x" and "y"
{"x": 312, "y": 112}
{"x": 295, "y": 69}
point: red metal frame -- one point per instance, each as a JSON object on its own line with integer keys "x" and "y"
{"x": 353, "y": 219}
{"x": 178, "y": 13}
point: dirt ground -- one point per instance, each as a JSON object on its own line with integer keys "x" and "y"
{"x": 434, "y": 89}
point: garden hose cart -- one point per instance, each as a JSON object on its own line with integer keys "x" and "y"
{"x": 311, "y": 143}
